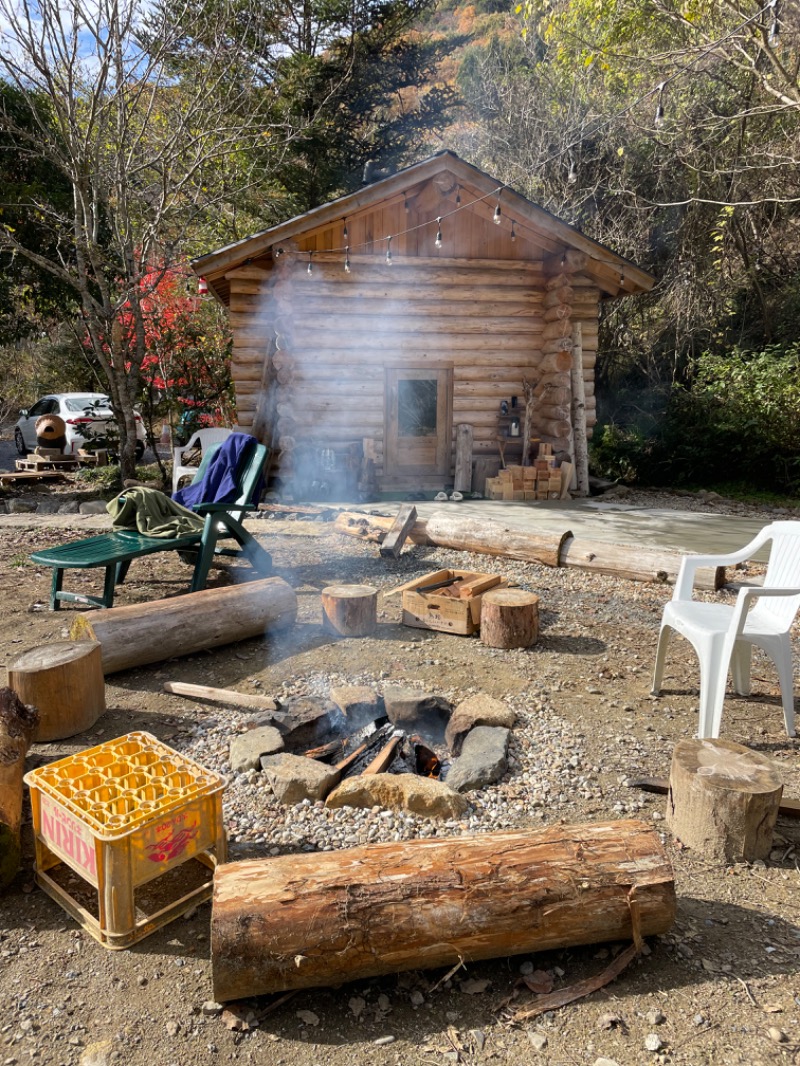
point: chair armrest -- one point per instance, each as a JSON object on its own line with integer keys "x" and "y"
{"x": 690, "y": 564}
{"x": 216, "y": 508}
{"x": 754, "y": 593}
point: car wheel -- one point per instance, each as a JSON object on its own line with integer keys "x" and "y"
{"x": 19, "y": 440}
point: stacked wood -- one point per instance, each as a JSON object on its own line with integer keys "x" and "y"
{"x": 64, "y": 681}
{"x": 300, "y": 921}
{"x": 509, "y": 618}
{"x": 540, "y": 481}
{"x": 17, "y": 725}
{"x": 723, "y": 800}
{"x": 350, "y": 610}
{"x": 151, "y": 632}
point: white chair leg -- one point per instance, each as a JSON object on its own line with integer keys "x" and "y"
{"x": 713, "y": 678}
{"x": 783, "y": 662}
{"x": 664, "y": 638}
{"x": 740, "y": 667}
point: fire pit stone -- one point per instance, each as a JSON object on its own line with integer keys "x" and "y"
{"x": 294, "y": 778}
{"x": 420, "y": 712}
{"x": 308, "y": 720}
{"x": 247, "y": 748}
{"x": 359, "y": 703}
{"x": 479, "y": 709}
{"x": 418, "y": 795}
{"x": 483, "y": 759}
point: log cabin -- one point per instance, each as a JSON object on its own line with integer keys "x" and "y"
{"x": 377, "y": 324}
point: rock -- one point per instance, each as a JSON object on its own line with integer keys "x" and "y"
{"x": 417, "y": 998}
{"x": 777, "y": 1035}
{"x": 92, "y": 507}
{"x": 20, "y": 507}
{"x": 294, "y": 778}
{"x": 357, "y": 1006}
{"x": 173, "y": 1028}
{"x": 477, "y": 710}
{"x": 247, "y": 748}
{"x": 98, "y": 1053}
{"x": 605, "y": 1062}
{"x": 306, "y": 721}
{"x": 483, "y": 759}
{"x": 419, "y": 795}
{"x": 653, "y": 1042}
{"x": 359, "y": 703}
{"x": 417, "y": 712}
{"x": 538, "y": 1041}
{"x": 211, "y": 1008}
{"x": 308, "y": 1017}
{"x": 70, "y": 507}
{"x": 655, "y": 1017}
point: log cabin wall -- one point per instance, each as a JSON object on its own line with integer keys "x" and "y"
{"x": 311, "y": 351}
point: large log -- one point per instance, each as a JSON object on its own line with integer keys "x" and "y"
{"x": 631, "y": 561}
{"x": 723, "y": 800}
{"x": 509, "y": 618}
{"x": 64, "y": 682}
{"x": 150, "y": 632}
{"x": 300, "y": 921}
{"x": 17, "y": 723}
{"x": 493, "y": 538}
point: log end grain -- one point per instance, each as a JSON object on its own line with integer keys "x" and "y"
{"x": 509, "y": 618}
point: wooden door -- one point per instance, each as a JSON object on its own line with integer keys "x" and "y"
{"x": 418, "y": 426}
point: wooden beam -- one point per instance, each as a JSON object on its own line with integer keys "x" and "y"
{"x": 398, "y": 532}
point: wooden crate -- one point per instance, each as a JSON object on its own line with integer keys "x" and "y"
{"x": 444, "y": 609}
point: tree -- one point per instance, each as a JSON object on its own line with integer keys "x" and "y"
{"x": 147, "y": 152}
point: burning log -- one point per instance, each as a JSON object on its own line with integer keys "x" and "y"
{"x": 300, "y": 921}
{"x": 17, "y": 724}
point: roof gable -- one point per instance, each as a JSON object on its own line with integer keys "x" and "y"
{"x": 401, "y": 212}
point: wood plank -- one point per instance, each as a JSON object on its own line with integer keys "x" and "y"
{"x": 398, "y": 532}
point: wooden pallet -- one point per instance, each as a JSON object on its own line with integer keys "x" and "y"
{"x": 38, "y": 463}
{"x": 27, "y": 475}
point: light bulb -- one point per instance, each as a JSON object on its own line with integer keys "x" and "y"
{"x": 498, "y": 215}
{"x": 345, "y": 234}
{"x": 310, "y": 265}
{"x": 438, "y": 241}
{"x": 513, "y": 231}
{"x": 388, "y": 251}
{"x": 347, "y": 260}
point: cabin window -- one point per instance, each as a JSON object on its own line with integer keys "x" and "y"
{"x": 417, "y": 404}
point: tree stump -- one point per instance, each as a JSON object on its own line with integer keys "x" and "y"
{"x": 17, "y": 723}
{"x": 350, "y": 610}
{"x": 64, "y": 682}
{"x": 300, "y": 921}
{"x": 723, "y": 800}
{"x": 509, "y": 618}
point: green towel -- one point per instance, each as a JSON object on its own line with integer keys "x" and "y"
{"x": 152, "y": 513}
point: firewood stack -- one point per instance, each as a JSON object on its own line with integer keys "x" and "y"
{"x": 541, "y": 481}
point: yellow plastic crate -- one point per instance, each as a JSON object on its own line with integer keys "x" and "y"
{"x": 120, "y": 815}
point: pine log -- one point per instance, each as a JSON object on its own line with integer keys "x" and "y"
{"x": 631, "y": 561}
{"x": 64, "y": 682}
{"x": 350, "y": 610}
{"x": 550, "y": 427}
{"x": 723, "y": 800}
{"x": 463, "y": 471}
{"x": 509, "y": 618}
{"x": 493, "y": 538}
{"x": 555, "y": 363}
{"x": 557, "y": 313}
{"x": 17, "y": 724}
{"x": 561, "y": 328}
{"x": 301, "y": 921}
{"x": 561, "y": 295}
{"x": 151, "y": 632}
{"x": 557, "y": 344}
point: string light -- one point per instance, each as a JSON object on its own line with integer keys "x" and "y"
{"x": 345, "y": 234}
{"x": 497, "y": 218}
{"x": 388, "y": 251}
{"x": 658, "y": 121}
{"x": 458, "y": 196}
{"x": 310, "y": 264}
{"x": 406, "y": 208}
{"x": 621, "y": 278}
{"x": 438, "y": 241}
{"x": 347, "y": 259}
{"x": 513, "y": 231}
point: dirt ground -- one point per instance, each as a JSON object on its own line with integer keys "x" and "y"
{"x": 721, "y": 987}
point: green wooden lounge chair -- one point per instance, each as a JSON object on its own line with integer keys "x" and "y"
{"x": 115, "y": 551}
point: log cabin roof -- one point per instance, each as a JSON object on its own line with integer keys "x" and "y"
{"x": 442, "y": 185}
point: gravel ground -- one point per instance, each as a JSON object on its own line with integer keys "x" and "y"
{"x": 720, "y": 988}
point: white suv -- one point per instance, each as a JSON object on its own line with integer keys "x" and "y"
{"x": 79, "y": 410}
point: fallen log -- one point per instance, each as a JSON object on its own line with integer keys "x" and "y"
{"x": 300, "y": 921}
{"x": 723, "y": 800}
{"x": 17, "y": 724}
{"x": 64, "y": 682}
{"x": 550, "y": 549}
{"x": 150, "y": 632}
{"x": 638, "y": 564}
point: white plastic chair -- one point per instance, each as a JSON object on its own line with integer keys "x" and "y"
{"x": 723, "y": 636}
{"x": 202, "y": 439}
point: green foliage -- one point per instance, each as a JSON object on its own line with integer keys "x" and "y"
{"x": 739, "y": 424}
